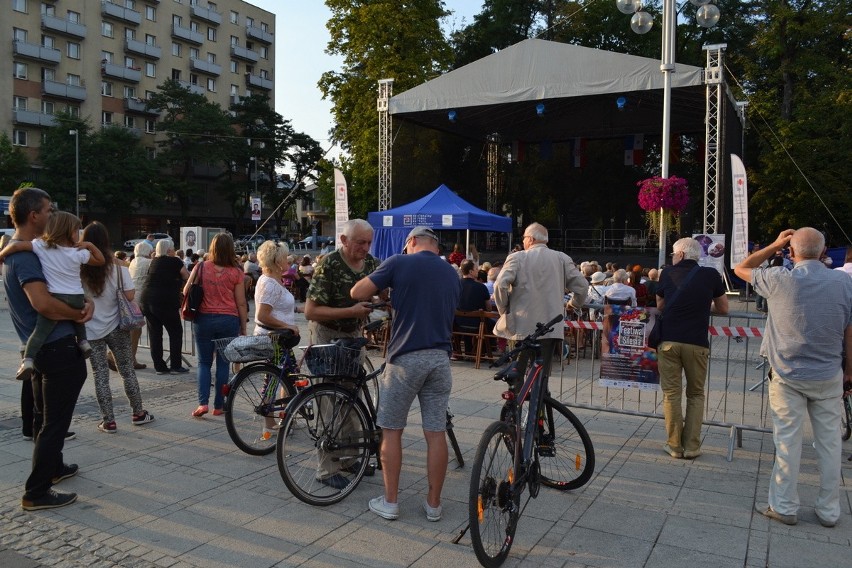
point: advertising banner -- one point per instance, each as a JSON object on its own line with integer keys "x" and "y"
{"x": 189, "y": 238}
{"x": 739, "y": 238}
{"x": 712, "y": 252}
{"x": 341, "y": 205}
{"x": 255, "y": 209}
{"x": 626, "y": 360}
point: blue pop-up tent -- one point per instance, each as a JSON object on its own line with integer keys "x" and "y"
{"x": 442, "y": 210}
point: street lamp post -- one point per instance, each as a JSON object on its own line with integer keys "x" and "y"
{"x": 76, "y": 134}
{"x": 641, "y": 22}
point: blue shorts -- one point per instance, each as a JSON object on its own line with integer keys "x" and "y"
{"x": 424, "y": 374}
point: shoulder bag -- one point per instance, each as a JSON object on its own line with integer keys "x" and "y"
{"x": 129, "y": 315}
{"x": 655, "y": 336}
{"x": 192, "y": 299}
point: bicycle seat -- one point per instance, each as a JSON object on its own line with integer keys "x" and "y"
{"x": 351, "y": 342}
{"x": 285, "y": 338}
{"x": 510, "y": 373}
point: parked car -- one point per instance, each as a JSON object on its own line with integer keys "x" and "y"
{"x": 307, "y": 242}
{"x": 130, "y": 244}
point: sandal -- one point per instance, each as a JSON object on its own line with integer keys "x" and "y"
{"x": 218, "y": 412}
{"x": 200, "y": 411}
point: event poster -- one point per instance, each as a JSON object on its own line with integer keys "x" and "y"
{"x": 626, "y": 360}
{"x": 189, "y": 238}
{"x": 712, "y": 252}
{"x": 255, "y": 209}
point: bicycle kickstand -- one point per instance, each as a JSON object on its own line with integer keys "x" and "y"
{"x": 461, "y": 534}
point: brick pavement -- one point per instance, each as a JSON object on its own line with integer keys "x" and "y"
{"x": 177, "y": 493}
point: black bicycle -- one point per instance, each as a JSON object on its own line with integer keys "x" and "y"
{"x": 537, "y": 441}
{"x": 329, "y": 435}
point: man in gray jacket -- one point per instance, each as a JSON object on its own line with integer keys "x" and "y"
{"x": 531, "y": 289}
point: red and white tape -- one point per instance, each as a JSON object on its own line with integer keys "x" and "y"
{"x": 716, "y": 330}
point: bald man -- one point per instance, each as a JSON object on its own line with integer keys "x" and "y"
{"x": 808, "y": 326}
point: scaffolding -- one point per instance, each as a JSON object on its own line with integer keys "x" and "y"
{"x": 714, "y": 135}
{"x": 385, "y": 143}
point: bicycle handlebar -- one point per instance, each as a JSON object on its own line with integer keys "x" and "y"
{"x": 528, "y": 341}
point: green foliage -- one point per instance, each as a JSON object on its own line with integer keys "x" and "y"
{"x": 14, "y": 165}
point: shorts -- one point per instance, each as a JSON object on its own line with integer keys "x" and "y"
{"x": 424, "y": 374}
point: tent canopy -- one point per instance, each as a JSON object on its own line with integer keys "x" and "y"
{"x": 441, "y": 210}
{"x": 578, "y": 87}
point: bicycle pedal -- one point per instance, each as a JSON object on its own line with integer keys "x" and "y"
{"x": 370, "y": 470}
{"x": 546, "y": 451}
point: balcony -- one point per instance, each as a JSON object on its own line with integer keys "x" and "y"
{"x": 121, "y": 72}
{"x": 63, "y": 91}
{"x": 258, "y": 82}
{"x": 37, "y": 52}
{"x": 194, "y": 89}
{"x": 34, "y": 118}
{"x": 132, "y": 104}
{"x": 137, "y": 132}
{"x": 142, "y": 48}
{"x": 244, "y": 54}
{"x": 187, "y": 34}
{"x": 205, "y": 67}
{"x": 117, "y": 12}
{"x": 235, "y": 99}
{"x": 66, "y": 27}
{"x": 258, "y": 34}
{"x": 206, "y": 14}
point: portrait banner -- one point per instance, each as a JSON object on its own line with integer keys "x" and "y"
{"x": 626, "y": 360}
{"x": 255, "y": 209}
{"x": 189, "y": 238}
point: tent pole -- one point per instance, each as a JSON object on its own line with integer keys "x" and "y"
{"x": 466, "y": 242}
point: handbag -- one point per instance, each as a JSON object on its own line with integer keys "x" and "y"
{"x": 129, "y": 314}
{"x": 192, "y": 299}
{"x": 656, "y": 333}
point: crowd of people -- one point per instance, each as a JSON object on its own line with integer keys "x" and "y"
{"x": 64, "y": 319}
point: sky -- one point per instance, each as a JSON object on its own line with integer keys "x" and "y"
{"x": 300, "y": 59}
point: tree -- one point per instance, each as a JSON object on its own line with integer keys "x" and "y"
{"x": 198, "y": 134}
{"x": 14, "y": 165}
{"x": 377, "y": 40}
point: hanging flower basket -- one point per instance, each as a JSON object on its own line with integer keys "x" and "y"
{"x": 663, "y": 196}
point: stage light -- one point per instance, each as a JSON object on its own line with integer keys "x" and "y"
{"x": 621, "y": 102}
{"x": 451, "y": 116}
{"x": 539, "y": 109}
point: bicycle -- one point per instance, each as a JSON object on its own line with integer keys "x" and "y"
{"x": 537, "y": 441}
{"x": 333, "y": 421}
{"x": 846, "y": 418}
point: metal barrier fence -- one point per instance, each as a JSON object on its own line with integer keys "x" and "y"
{"x": 187, "y": 344}
{"x": 735, "y": 391}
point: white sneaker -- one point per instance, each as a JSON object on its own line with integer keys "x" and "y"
{"x": 433, "y": 514}
{"x": 382, "y": 508}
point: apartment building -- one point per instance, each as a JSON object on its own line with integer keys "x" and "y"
{"x": 100, "y": 59}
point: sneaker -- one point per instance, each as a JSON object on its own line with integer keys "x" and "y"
{"x": 335, "y": 481}
{"x": 433, "y": 514}
{"x": 139, "y": 366}
{"x": 143, "y": 418}
{"x": 108, "y": 427}
{"x": 218, "y": 412}
{"x": 68, "y": 470}
{"x": 161, "y": 372}
{"x": 673, "y": 453}
{"x": 826, "y": 523}
{"x": 765, "y": 510}
{"x": 50, "y": 500}
{"x": 382, "y": 508}
{"x": 691, "y": 454}
{"x": 178, "y": 371}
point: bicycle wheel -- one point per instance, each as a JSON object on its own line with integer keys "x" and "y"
{"x": 846, "y": 418}
{"x": 324, "y": 445}
{"x": 493, "y": 507}
{"x": 250, "y": 407}
{"x": 372, "y": 384}
{"x": 451, "y": 436}
{"x": 565, "y": 451}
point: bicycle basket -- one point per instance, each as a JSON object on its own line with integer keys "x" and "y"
{"x": 246, "y": 348}
{"x": 333, "y": 360}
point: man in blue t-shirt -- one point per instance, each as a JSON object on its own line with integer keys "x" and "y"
{"x": 425, "y": 293}
{"x": 60, "y": 367}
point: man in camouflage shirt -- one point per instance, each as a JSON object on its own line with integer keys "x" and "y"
{"x": 332, "y": 313}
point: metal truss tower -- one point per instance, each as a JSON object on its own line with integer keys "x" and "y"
{"x": 714, "y": 135}
{"x": 385, "y": 143}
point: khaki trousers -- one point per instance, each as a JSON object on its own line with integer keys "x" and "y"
{"x": 674, "y": 361}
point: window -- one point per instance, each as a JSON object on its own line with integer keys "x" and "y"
{"x": 249, "y": 45}
{"x": 149, "y": 95}
{"x": 212, "y": 6}
{"x": 129, "y": 122}
{"x": 73, "y": 80}
{"x": 129, "y": 92}
{"x": 151, "y": 152}
{"x": 177, "y": 20}
{"x": 211, "y": 85}
{"x": 130, "y": 4}
{"x": 20, "y": 70}
{"x": 249, "y": 22}
{"x": 150, "y": 39}
{"x": 19, "y": 35}
{"x": 20, "y": 103}
{"x": 106, "y": 118}
{"x": 19, "y": 137}
{"x": 129, "y": 33}
{"x": 211, "y": 34}
{"x": 264, "y": 52}
{"x": 48, "y": 74}
{"x": 235, "y": 17}
{"x": 73, "y": 50}
{"x": 47, "y": 107}
{"x": 150, "y": 125}
{"x": 211, "y": 57}
{"x": 249, "y": 69}
{"x": 150, "y": 69}
{"x": 264, "y": 73}
{"x": 175, "y": 74}
{"x": 264, "y": 26}
{"x": 48, "y": 9}
{"x": 107, "y": 29}
{"x": 193, "y": 52}
{"x": 234, "y": 67}
{"x": 73, "y": 17}
{"x": 48, "y": 41}
{"x": 106, "y": 88}
{"x": 176, "y": 49}
{"x": 129, "y": 62}
{"x": 235, "y": 90}
{"x": 193, "y": 78}
{"x": 21, "y": 6}
{"x": 193, "y": 26}
{"x": 106, "y": 57}
{"x": 151, "y": 13}
{"x": 235, "y": 41}
{"x": 73, "y": 111}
